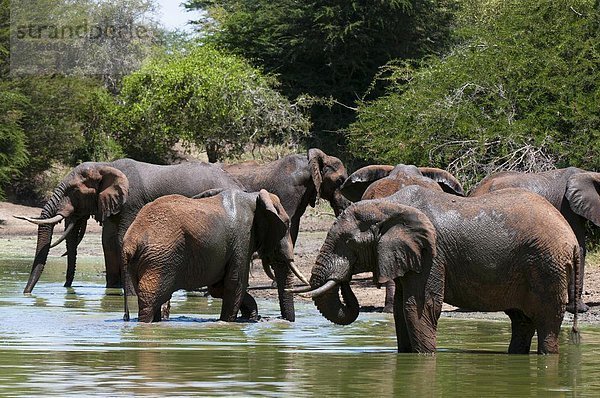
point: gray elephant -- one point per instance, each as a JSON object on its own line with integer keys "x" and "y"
{"x": 574, "y": 192}
{"x": 506, "y": 251}
{"x": 177, "y": 243}
{"x": 298, "y": 180}
{"x": 113, "y": 193}
{"x": 380, "y": 181}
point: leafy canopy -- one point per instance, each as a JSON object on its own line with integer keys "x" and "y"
{"x": 327, "y": 49}
{"x": 520, "y": 92}
{"x": 204, "y": 97}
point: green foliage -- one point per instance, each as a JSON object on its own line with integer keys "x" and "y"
{"x": 327, "y": 49}
{"x": 13, "y": 154}
{"x": 204, "y": 97}
{"x": 520, "y": 92}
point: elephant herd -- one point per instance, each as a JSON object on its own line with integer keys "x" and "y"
{"x": 515, "y": 243}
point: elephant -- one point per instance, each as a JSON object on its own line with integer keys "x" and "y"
{"x": 508, "y": 251}
{"x": 297, "y": 180}
{"x": 113, "y": 193}
{"x": 177, "y": 242}
{"x": 380, "y": 181}
{"x": 377, "y": 181}
{"x": 574, "y": 192}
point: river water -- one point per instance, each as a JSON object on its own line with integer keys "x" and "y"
{"x": 67, "y": 342}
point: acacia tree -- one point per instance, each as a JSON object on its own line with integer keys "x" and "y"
{"x": 330, "y": 50}
{"x": 205, "y": 97}
{"x": 520, "y": 92}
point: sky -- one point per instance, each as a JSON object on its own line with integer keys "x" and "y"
{"x": 173, "y": 15}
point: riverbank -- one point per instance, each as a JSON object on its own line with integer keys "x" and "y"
{"x": 19, "y": 237}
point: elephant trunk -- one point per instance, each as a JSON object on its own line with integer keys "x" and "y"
{"x": 285, "y": 281}
{"x": 339, "y": 202}
{"x": 329, "y": 304}
{"x": 44, "y": 238}
{"x": 73, "y": 240}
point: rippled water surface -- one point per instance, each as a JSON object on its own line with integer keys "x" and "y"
{"x": 60, "y": 342}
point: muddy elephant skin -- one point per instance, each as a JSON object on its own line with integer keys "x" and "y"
{"x": 508, "y": 251}
{"x": 181, "y": 243}
{"x": 574, "y": 192}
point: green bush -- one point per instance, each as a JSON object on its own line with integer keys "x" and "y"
{"x": 520, "y": 92}
{"x": 205, "y": 97}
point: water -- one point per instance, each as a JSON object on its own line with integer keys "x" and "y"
{"x": 64, "y": 342}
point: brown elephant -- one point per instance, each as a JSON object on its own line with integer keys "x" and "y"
{"x": 380, "y": 181}
{"x": 177, "y": 243}
{"x": 113, "y": 193}
{"x": 377, "y": 181}
{"x": 574, "y": 192}
{"x": 506, "y": 251}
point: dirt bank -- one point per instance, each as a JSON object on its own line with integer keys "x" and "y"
{"x": 314, "y": 226}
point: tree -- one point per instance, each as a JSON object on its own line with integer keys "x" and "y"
{"x": 520, "y": 92}
{"x": 205, "y": 97}
{"x": 327, "y": 49}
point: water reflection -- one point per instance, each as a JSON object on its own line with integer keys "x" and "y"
{"x": 60, "y": 341}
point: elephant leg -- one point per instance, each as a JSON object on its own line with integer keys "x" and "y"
{"x": 422, "y": 309}
{"x": 112, "y": 254}
{"x": 153, "y": 289}
{"x": 235, "y": 286}
{"x": 402, "y": 335}
{"x": 390, "y": 288}
{"x": 523, "y": 330}
{"x": 548, "y": 325}
{"x": 248, "y": 308}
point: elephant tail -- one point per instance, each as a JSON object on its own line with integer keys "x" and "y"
{"x": 576, "y": 264}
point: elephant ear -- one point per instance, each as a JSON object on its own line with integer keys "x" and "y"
{"x": 357, "y": 183}
{"x": 583, "y": 194}
{"x": 112, "y": 192}
{"x": 447, "y": 181}
{"x": 407, "y": 240}
{"x": 276, "y": 216}
{"x": 316, "y": 161}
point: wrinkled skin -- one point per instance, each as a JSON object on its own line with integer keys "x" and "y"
{"x": 574, "y": 192}
{"x": 297, "y": 180}
{"x": 380, "y": 181}
{"x": 181, "y": 243}
{"x": 507, "y": 251}
{"x": 113, "y": 193}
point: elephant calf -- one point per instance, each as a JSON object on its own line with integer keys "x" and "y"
{"x": 181, "y": 243}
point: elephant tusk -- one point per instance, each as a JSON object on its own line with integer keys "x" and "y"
{"x": 42, "y": 221}
{"x": 64, "y": 236}
{"x": 321, "y": 290}
{"x": 300, "y": 289}
{"x": 299, "y": 274}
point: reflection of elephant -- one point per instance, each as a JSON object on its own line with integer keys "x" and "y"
{"x": 574, "y": 192}
{"x": 297, "y": 180}
{"x": 181, "y": 243}
{"x": 113, "y": 193}
{"x": 377, "y": 181}
{"x": 507, "y": 251}
{"x": 380, "y": 181}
